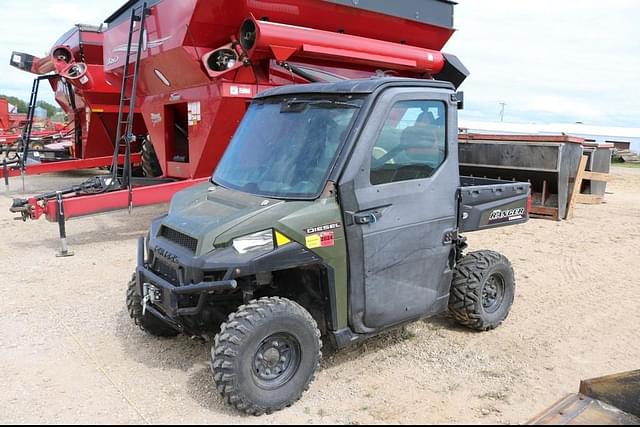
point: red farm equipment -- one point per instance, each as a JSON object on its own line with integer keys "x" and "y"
{"x": 10, "y": 121}
{"x": 193, "y": 66}
{"x": 75, "y": 72}
{"x": 12, "y": 124}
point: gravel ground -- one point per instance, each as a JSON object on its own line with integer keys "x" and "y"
{"x": 70, "y": 354}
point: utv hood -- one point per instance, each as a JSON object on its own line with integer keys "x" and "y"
{"x": 206, "y": 212}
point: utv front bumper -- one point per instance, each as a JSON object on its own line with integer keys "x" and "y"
{"x": 161, "y": 298}
{"x": 182, "y": 285}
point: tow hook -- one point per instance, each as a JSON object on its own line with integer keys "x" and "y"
{"x": 145, "y": 300}
{"x": 150, "y": 294}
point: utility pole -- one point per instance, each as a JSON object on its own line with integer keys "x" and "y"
{"x": 503, "y": 104}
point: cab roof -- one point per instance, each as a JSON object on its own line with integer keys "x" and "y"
{"x": 363, "y": 86}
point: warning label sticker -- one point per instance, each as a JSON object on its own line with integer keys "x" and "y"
{"x": 321, "y": 240}
{"x": 194, "y": 113}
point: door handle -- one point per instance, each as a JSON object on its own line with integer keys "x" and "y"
{"x": 366, "y": 218}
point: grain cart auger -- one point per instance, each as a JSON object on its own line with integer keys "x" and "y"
{"x": 74, "y": 70}
{"x": 203, "y": 62}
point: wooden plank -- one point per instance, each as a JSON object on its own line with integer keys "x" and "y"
{"x": 596, "y": 176}
{"x": 545, "y": 192}
{"x": 575, "y": 192}
{"x": 544, "y": 212}
{"x": 589, "y": 199}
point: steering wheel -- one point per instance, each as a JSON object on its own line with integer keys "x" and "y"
{"x": 379, "y": 152}
{"x": 392, "y": 153}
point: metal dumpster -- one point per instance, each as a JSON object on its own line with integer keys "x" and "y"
{"x": 599, "y": 161}
{"x": 610, "y": 400}
{"x": 548, "y": 162}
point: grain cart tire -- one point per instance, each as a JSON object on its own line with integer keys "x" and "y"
{"x": 150, "y": 164}
{"x": 266, "y": 355}
{"x": 147, "y": 321}
{"x": 36, "y": 146}
{"x": 482, "y": 290}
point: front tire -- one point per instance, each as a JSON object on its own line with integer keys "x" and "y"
{"x": 147, "y": 321}
{"x": 482, "y": 290}
{"x": 266, "y": 355}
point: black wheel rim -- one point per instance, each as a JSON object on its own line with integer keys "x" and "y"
{"x": 276, "y": 361}
{"x": 493, "y": 293}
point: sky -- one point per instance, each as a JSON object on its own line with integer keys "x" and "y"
{"x": 548, "y": 61}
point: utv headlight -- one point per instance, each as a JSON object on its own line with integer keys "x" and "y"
{"x": 261, "y": 241}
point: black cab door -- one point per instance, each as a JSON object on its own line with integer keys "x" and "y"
{"x": 398, "y": 194}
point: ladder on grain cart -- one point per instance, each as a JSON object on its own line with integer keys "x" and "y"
{"x": 28, "y": 127}
{"x": 126, "y": 110}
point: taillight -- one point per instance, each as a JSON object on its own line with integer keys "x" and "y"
{"x": 529, "y": 203}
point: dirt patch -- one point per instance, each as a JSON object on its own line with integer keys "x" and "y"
{"x": 69, "y": 354}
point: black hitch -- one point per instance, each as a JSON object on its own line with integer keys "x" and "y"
{"x": 94, "y": 185}
{"x": 19, "y": 205}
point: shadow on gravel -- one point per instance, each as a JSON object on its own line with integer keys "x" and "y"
{"x": 168, "y": 354}
{"x": 187, "y": 355}
{"x": 332, "y": 358}
{"x": 179, "y": 353}
{"x": 446, "y": 321}
{"x": 202, "y": 390}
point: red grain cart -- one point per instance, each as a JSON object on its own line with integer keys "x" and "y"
{"x": 202, "y": 61}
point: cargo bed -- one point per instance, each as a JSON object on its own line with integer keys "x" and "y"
{"x": 489, "y": 203}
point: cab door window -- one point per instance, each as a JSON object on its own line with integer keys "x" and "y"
{"x": 412, "y": 143}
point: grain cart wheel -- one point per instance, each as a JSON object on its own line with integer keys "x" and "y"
{"x": 150, "y": 164}
{"x": 266, "y": 355}
{"x": 147, "y": 321}
{"x": 36, "y": 146}
{"x": 482, "y": 290}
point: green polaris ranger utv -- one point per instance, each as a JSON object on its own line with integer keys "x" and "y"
{"x": 335, "y": 212}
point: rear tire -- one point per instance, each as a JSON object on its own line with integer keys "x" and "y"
{"x": 147, "y": 321}
{"x": 482, "y": 290}
{"x": 266, "y": 355}
{"x": 150, "y": 164}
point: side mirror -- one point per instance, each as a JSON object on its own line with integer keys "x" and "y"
{"x": 458, "y": 97}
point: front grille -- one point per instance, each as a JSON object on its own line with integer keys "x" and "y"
{"x": 214, "y": 276}
{"x": 165, "y": 270}
{"x": 179, "y": 238}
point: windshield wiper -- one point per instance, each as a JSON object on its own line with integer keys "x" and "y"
{"x": 333, "y": 103}
{"x": 299, "y": 105}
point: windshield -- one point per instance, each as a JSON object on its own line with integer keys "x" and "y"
{"x": 285, "y": 149}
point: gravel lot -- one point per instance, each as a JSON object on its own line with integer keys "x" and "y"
{"x": 69, "y": 353}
